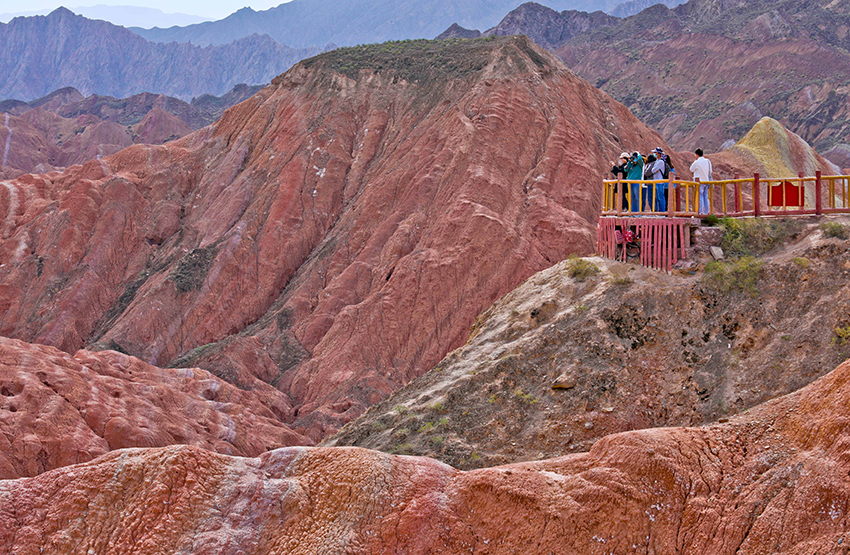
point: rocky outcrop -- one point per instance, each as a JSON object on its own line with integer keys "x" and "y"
{"x": 571, "y": 356}
{"x": 547, "y": 27}
{"x": 43, "y": 53}
{"x": 58, "y": 410}
{"x": 335, "y": 235}
{"x": 839, "y": 155}
{"x": 771, "y": 480}
{"x": 458, "y": 32}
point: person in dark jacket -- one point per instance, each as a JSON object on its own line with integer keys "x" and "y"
{"x": 662, "y": 169}
{"x": 619, "y": 171}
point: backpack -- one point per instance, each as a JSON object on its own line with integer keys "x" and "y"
{"x": 667, "y": 167}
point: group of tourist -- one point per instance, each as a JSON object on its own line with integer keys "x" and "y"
{"x": 656, "y": 166}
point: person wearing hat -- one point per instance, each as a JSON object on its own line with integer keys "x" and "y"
{"x": 619, "y": 171}
{"x": 634, "y": 173}
{"x": 661, "y": 169}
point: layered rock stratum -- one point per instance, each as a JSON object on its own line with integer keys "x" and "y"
{"x": 335, "y": 235}
{"x": 771, "y": 150}
{"x": 772, "y": 480}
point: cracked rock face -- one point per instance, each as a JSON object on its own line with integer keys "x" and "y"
{"x": 333, "y": 236}
{"x": 772, "y": 480}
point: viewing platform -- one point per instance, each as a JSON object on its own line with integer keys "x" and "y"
{"x": 655, "y": 230}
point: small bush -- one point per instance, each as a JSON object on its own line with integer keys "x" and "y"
{"x": 191, "y": 270}
{"x": 834, "y": 229}
{"x": 752, "y": 236}
{"x": 425, "y": 428}
{"x": 400, "y": 409}
{"x": 525, "y": 397}
{"x": 402, "y": 449}
{"x": 842, "y": 335}
{"x": 580, "y": 268}
{"x": 801, "y": 262}
{"x": 740, "y": 275}
{"x": 711, "y": 220}
{"x": 621, "y": 280}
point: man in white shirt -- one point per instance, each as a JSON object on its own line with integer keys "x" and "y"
{"x": 701, "y": 168}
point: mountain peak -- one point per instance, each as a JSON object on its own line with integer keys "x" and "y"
{"x": 60, "y": 12}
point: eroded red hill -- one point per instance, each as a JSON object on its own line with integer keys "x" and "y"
{"x": 57, "y": 409}
{"x": 335, "y": 235}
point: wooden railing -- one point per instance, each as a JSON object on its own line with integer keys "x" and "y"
{"x": 754, "y": 196}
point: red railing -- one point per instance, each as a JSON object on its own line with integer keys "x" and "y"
{"x": 754, "y": 196}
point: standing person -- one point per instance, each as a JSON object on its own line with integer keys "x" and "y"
{"x": 634, "y": 173}
{"x": 661, "y": 170}
{"x": 619, "y": 171}
{"x": 701, "y": 169}
{"x": 649, "y": 189}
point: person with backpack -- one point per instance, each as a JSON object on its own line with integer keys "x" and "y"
{"x": 649, "y": 189}
{"x": 661, "y": 169}
{"x": 634, "y": 173}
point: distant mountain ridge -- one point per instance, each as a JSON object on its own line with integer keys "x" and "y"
{"x": 126, "y": 16}
{"x": 706, "y": 71}
{"x": 309, "y": 23}
{"x": 543, "y": 25}
{"x": 44, "y": 53}
{"x": 636, "y": 6}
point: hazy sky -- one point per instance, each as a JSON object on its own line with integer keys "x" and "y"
{"x": 214, "y": 10}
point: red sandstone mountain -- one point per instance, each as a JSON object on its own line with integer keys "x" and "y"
{"x": 773, "y": 480}
{"x": 335, "y": 235}
{"x": 64, "y": 128}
